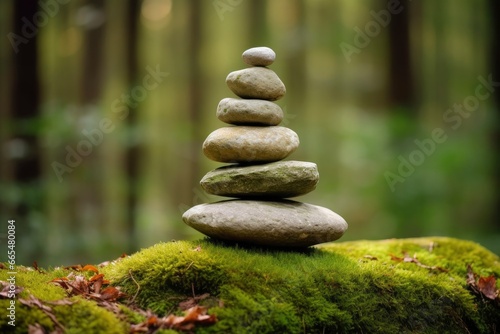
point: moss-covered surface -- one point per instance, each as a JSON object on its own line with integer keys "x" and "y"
{"x": 343, "y": 287}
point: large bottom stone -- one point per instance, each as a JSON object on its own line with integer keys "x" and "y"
{"x": 270, "y": 223}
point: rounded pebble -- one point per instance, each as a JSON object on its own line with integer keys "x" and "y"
{"x": 250, "y": 144}
{"x": 280, "y": 179}
{"x": 256, "y": 83}
{"x": 259, "y": 56}
{"x": 249, "y": 111}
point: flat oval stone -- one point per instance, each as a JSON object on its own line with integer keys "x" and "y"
{"x": 250, "y": 144}
{"x": 269, "y": 223}
{"x": 259, "y": 56}
{"x": 280, "y": 179}
{"x": 242, "y": 111}
{"x": 256, "y": 83}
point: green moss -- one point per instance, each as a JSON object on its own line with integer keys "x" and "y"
{"x": 346, "y": 287}
{"x": 81, "y": 317}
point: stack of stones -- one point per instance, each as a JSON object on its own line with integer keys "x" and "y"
{"x": 260, "y": 181}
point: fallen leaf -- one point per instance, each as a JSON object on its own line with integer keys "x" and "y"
{"x": 60, "y": 302}
{"x": 96, "y": 277}
{"x": 98, "y": 281}
{"x": 471, "y": 277}
{"x": 194, "y": 316}
{"x": 90, "y": 267}
{"x": 32, "y": 301}
{"x": 485, "y": 286}
{"x": 35, "y": 329}
{"x": 6, "y": 292}
{"x": 488, "y": 287}
{"x": 193, "y": 301}
{"x": 111, "y": 294}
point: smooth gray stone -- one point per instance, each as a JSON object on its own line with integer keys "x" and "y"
{"x": 259, "y": 56}
{"x": 270, "y": 223}
{"x": 276, "y": 180}
{"x": 242, "y": 111}
{"x": 250, "y": 144}
{"x": 256, "y": 83}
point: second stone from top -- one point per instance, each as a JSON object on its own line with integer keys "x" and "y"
{"x": 256, "y": 83}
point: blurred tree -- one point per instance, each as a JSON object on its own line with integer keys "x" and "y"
{"x": 88, "y": 199}
{"x": 92, "y": 19}
{"x": 495, "y": 70}
{"x": 25, "y": 141}
{"x": 401, "y": 79}
{"x": 257, "y": 23}
{"x": 133, "y": 155}
{"x": 194, "y": 95}
{"x": 296, "y": 59}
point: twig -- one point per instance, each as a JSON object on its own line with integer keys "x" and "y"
{"x": 138, "y": 287}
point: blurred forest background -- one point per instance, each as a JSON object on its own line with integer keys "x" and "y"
{"x": 131, "y": 88}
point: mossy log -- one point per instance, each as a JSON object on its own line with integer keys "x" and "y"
{"x": 418, "y": 285}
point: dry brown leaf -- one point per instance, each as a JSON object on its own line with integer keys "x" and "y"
{"x": 5, "y": 293}
{"x": 193, "y": 301}
{"x": 90, "y": 267}
{"x": 111, "y": 294}
{"x": 471, "y": 277}
{"x": 36, "y": 329}
{"x": 484, "y": 286}
{"x": 488, "y": 287}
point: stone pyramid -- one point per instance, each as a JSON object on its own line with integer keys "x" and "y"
{"x": 260, "y": 181}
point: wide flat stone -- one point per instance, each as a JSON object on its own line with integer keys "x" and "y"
{"x": 256, "y": 83}
{"x": 251, "y": 111}
{"x": 259, "y": 56}
{"x": 250, "y": 144}
{"x": 270, "y": 223}
{"x": 280, "y": 179}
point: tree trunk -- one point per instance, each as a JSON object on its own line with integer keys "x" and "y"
{"x": 257, "y": 23}
{"x": 401, "y": 79}
{"x": 134, "y": 150}
{"x": 495, "y": 70}
{"x": 25, "y": 114}
{"x": 87, "y": 197}
{"x": 194, "y": 93}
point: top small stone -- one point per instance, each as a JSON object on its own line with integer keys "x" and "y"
{"x": 259, "y": 56}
